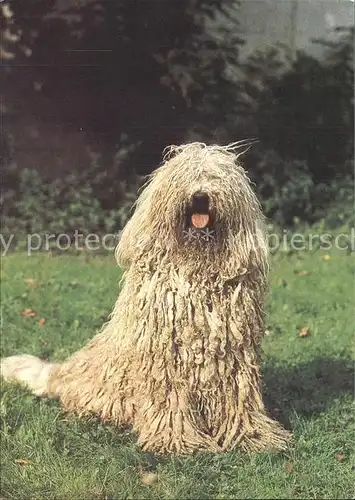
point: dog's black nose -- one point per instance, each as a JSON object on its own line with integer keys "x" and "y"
{"x": 200, "y": 203}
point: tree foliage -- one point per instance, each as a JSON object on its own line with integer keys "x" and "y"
{"x": 304, "y": 108}
{"x": 146, "y": 69}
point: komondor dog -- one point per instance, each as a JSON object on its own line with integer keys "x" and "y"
{"x": 179, "y": 358}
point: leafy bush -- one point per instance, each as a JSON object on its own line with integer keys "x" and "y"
{"x": 61, "y": 206}
{"x": 284, "y": 187}
{"x": 288, "y": 196}
{"x": 98, "y": 199}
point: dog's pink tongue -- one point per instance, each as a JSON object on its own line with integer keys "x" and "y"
{"x": 199, "y": 221}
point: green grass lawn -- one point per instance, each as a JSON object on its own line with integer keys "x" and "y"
{"x": 46, "y": 454}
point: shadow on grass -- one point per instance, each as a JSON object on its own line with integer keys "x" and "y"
{"x": 306, "y": 389}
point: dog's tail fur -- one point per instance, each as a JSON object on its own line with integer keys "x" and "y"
{"x": 29, "y": 371}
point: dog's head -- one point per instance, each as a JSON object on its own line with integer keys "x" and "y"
{"x": 198, "y": 209}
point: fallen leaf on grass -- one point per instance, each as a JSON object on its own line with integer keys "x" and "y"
{"x": 41, "y": 322}
{"x": 288, "y": 467}
{"x": 43, "y": 342}
{"x": 301, "y": 273}
{"x": 149, "y": 478}
{"x": 22, "y": 461}
{"x": 340, "y": 457}
{"x": 31, "y": 282}
{"x": 28, "y": 313}
{"x": 326, "y": 257}
{"x": 304, "y": 332}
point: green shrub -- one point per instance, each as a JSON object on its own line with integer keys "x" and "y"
{"x": 64, "y": 205}
{"x": 96, "y": 200}
{"x": 290, "y": 196}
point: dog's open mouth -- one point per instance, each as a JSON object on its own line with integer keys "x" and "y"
{"x": 199, "y": 216}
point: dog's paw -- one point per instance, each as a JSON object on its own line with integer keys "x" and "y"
{"x": 28, "y": 370}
